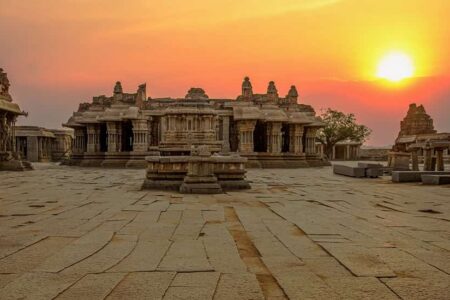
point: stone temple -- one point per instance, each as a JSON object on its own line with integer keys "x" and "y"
{"x": 266, "y": 129}
{"x": 418, "y": 141}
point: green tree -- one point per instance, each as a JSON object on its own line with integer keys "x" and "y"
{"x": 340, "y": 127}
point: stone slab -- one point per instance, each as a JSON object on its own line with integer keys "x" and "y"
{"x": 369, "y": 165}
{"x": 436, "y": 179}
{"x": 374, "y": 172}
{"x": 142, "y": 285}
{"x": 349, "y": 171}
{"x": 92, "y": 286}
{"x": 414, "y": 176}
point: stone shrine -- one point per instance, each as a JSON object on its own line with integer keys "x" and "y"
{"x": 37, "y": 144}
{"x": 417, "y": 142}
{"x": 266, "y": 129}
{"x": 9, "y": 111}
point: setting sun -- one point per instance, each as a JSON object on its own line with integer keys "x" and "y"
{"x": 395, "y": 67}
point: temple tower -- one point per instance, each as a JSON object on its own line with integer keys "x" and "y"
{"x": 272, "y": 92}
{"x": 247, "y": 89}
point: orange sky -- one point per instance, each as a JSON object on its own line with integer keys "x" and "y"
{"x": 61, "y": 52}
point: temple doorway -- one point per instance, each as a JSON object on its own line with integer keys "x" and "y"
{"x": 103, "y": 138}
{"x": 285, "y": 137}
{"x": 260, "y": 137}
{"x": 127, "y": 136}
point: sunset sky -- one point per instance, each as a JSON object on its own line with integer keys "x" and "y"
{"x": 59, "y": 53}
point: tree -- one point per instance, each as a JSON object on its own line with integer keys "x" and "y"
{"x": 340, "y": 127}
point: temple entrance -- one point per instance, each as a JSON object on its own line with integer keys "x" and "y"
{"x": 285, "y": 138}
{"x": 127, "y": 136}
{"x": 103, "y": 138}
{"x": 260, "y": 137}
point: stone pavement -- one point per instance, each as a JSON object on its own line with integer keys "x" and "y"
{"x": 74, "y": 233}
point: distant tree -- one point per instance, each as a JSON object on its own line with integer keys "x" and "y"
{"x": 340, "y": 127}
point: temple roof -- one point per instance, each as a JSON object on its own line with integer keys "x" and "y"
{"x": 10, "y": 107}
{"x": 33, "y": 131}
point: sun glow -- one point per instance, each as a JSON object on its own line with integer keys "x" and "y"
{"x": 395, "y": 67}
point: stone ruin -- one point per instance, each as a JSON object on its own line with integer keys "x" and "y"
{"x": 418, "y": 142}
{"x": 9, "y": 112}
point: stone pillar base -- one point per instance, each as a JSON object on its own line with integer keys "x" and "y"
{"x": 200, "y": 185}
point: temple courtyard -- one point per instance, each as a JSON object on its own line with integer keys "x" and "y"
{"x": 92, "y": 233}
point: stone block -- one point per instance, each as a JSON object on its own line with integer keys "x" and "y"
{"x": 374, "y": 172}
{"x": 436, "y": 179}
{"x": 413, "y": 176}
{"x": 369, "y": 165}
{"x": 349, "y": 171}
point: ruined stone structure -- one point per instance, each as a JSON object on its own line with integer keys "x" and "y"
{"x": 37, "y": 144}
{"x": 268, "y": 130}
{"x": 343, "y": 150}
{"x": 416, "y": 122}
{"x": 418, "y": 141}
{"x": 9, "y": 111}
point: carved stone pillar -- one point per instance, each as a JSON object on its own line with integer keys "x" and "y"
{"x": 427, "y": 160}
{"x": 310, "y": 140}
{"x": 93, "y": 143}
{"x": 226, "y": 134}
{"x": 140, "y": 135}
{"x": 296, "y": 138}
{"x": 415, "y": 160}
{"x": 79, "y": 146}
{"x": 245, "y": 130}
{"x": 274, "y": 137}
{"x": 113, "y": 130}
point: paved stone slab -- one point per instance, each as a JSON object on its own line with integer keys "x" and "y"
{"x": 418, "y": 288}
{"x": 142, "y": 285}
{"x": 37, "y": 286}
{"x": 92, "y": 286}
{"x": 30, "y": 257}
{"x": 76, "y": 251}
{"x": 186, "y": 256}
{"x": 144, "y": 258}
{"x": 360, "y": 288}
{"x": 200, "y": 285}
{"x": 359, "y": 260}
{"x": 300, "y": 231}
{"x": 109, "y": 256}
{"x": 238, "y": 286}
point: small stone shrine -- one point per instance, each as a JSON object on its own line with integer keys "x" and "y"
{"x": 198, "y": 173}
{"x": 9, "y": 111}
{"x": 418, "y": 142}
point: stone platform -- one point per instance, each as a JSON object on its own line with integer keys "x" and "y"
{"x": 86, "y": 233}
{"x": 196, "y": 174}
